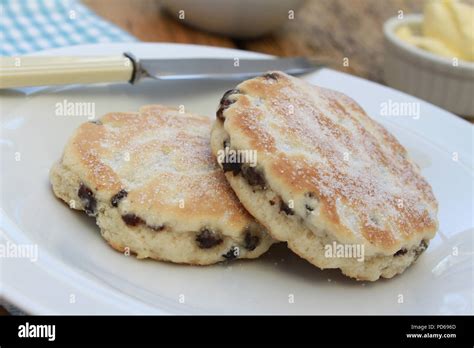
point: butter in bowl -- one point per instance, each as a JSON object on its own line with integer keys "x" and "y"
{"x": 431, "y": 55}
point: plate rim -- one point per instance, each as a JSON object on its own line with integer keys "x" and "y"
{"x": 19, "y": 298}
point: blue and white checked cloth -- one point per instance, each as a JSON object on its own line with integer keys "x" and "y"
{"x": 32, "y": 25}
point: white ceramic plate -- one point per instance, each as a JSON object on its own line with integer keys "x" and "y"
{"x": 77, "y": 272}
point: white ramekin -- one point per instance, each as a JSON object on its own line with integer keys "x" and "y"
{"x": 426, "y": 75}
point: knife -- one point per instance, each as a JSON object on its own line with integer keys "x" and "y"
{"x": 41, "y": 70}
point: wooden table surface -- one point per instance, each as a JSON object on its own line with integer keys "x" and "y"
{"x": 326, "y": 30}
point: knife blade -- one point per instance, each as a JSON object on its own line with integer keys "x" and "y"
{"x": 40, "y": 71}
{"x": 218, "y": 68}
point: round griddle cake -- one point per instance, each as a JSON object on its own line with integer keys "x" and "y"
{"x": 156, "y": 190}
{"x": 328, "y": 178}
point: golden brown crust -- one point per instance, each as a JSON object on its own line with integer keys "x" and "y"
{"x": 154, "y": 187}
{"x": 315, "y": 141}
{"x": 176, "y": 167}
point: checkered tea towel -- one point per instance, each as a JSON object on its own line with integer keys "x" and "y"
{"x": 32, "y": 25}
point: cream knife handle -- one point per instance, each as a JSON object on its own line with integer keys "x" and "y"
{"x": 42, "y": 70}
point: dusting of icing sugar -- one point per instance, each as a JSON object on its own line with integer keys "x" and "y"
{"x": 163, "y": 159}
{"x": 331, "y": 144}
